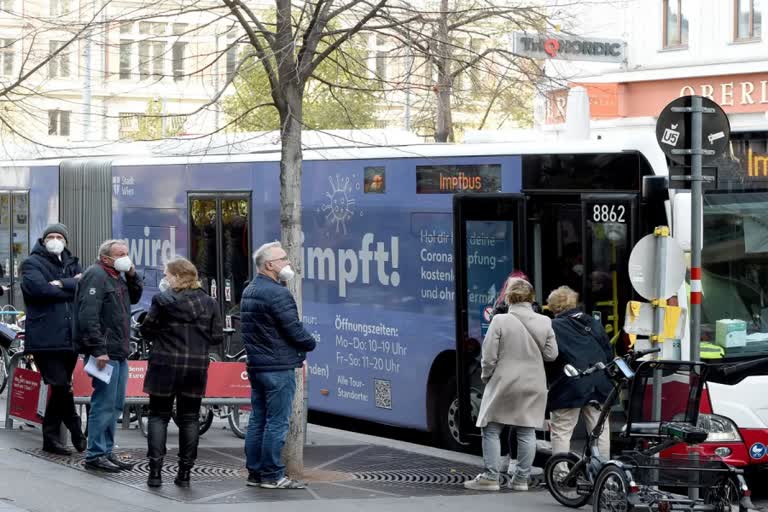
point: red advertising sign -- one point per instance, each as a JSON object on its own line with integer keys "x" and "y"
{"x": 225, "y": 380}
{"x": 25, "y": 396}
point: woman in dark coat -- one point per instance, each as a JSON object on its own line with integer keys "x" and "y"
{"x": 581, "y": 342}
{"x": 182, "y": 323}
{"x": 49, "y": 278}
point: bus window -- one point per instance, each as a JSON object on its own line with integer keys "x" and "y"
{"x": 608, "y": 238}
{"x": 220, "y": 245}
{"x": 735, "y": 272}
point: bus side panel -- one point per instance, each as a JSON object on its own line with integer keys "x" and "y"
{"x": 378, "y": 285}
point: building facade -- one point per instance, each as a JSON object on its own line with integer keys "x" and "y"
{"x": 713, "y": 48}
{"x": 131, "y": 73}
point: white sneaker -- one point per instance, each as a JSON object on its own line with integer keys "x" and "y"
{"x": 481, "y": 483}
{"x": 517, "y": 485}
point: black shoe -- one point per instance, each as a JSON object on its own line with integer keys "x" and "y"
{"x": 80, "y": 444}
{"x": 56, "y": 448}
{"x": 120, "y": 463}
{"x": 155, "y": 478}
{"x": 101, "y": 464}
{"x": 254, "y": 479}
{"x": 182, "y": 477}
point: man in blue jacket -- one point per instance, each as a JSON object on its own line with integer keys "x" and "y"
{"x": 276, "y": 343}
{"x": 49, "y": 278}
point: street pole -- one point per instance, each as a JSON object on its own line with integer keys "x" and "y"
{"x": 696, "y": 225}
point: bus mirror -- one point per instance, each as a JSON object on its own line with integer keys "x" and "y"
{"x": 681, "y": 219}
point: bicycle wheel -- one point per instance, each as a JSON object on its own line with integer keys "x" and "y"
{"x": 239, "y": 415}
{"x": 205, "y": 419}
{"x": 556, "y": 469}
{"x": 5, "y": 363}
{"x": 725, "y": 496}
{"x": 611, "y": 492}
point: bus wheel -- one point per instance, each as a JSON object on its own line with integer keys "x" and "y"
{"x": 448, "y": 418}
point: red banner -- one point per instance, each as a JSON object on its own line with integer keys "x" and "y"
{"x": 225, "y": 380}
{"x": 25, "y": 396}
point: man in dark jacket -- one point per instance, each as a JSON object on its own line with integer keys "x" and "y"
{"x": 581, "y": 342}
{"x": 48, "y": 281}
{"x": 276, "y": 343}
{"x": 103, "y": 307}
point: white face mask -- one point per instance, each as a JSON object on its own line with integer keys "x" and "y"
{"x": 164, "y": 285}
{"x": 55, "y": 246}
{"x": 123, "y": 264}
{"x": 286, "y": 274}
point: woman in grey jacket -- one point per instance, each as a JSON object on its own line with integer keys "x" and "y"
{"x": 513, "y": 355}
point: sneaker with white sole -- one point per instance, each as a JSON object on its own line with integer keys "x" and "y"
{"x": 482, "y": 483}
{"x": 283, "y": 483}
{"x": 518, "y": 485}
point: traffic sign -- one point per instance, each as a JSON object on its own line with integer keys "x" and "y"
{"x": 673, "y": 130}
{"x": 644, "y": 267}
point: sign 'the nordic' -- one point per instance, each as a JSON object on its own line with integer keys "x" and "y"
{"x": 548, "y": 46}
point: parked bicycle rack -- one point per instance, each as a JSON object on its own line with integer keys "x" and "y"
{"x": 228, "y": 386}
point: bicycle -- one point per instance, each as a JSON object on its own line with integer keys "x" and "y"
{"x": 645, "y": 476}
{"x": 237, "y": 415}
{"x": 140, "y": 351}
{"x": 11, "y": 342}
{"x": 579, "y": 474}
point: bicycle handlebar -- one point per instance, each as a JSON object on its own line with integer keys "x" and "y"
{"x": 630, "y": 356}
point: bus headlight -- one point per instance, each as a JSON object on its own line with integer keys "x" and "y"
{"x": 720, "y": 428}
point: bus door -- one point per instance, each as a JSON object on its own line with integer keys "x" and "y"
{"x": 609, "y": 231}
{"x": 14, "y": 244}
{"x": 219, "y": 241}
{"x": 487, "y": 249}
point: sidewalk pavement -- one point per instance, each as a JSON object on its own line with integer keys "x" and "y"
{"x": 347, "y": 472}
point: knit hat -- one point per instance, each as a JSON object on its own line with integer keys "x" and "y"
{"x": 56, "y": 228}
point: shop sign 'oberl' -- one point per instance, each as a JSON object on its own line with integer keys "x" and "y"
{"x": 558, "y": 46}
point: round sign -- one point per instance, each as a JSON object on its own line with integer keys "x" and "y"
{"x": 644, "y": 267}
{"x": 673, "y": 130}
{"x": 757, "y": 451}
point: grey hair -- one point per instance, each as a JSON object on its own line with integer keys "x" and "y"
{"x": 105, "y": 249}
{"x": 519, "y": 290}
{"x": 261, "y": 255}
{"x": 562, "y": 299}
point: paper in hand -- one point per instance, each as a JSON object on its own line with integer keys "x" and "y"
{"x": 104, "y": 375}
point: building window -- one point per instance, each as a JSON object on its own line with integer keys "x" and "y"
{"x": 178, "y": 60}
{"x": 6, "y": 56}
{"x": 232, "y": 56}
{"x": 746, "y": 20}
{"x": 381, "y": 65}
{"x": 58, "y": 122}
{"x": 60, "y": 7}
{"x": 58, "y": 66}
{"x": 151, "y": 59}
{"x": 675, "y": 23}
{"x": 129, "y": 124}
{"x": 6, "y": 5}
{"x": 126, "y": 50}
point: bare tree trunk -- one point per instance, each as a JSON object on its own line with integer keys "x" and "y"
{"x": 290, "y": 234}
{"x": 444, "y": 128}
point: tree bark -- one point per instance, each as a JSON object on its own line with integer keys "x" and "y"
{"x": 444, "y": 125}
{"x": 290, "y": 234}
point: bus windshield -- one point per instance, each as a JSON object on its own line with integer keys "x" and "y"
{"x": 735, "y": 273}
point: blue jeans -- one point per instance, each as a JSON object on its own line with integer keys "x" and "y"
{"x": 107, "y": 403}
{"x": 271, "y": 399}
{"x": 526, "y": 451}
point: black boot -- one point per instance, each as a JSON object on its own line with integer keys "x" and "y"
{"x": 189, "y": 433}
{"x": 182, "y": 476}
{"x": 155, "y": 478}
{"x": 79, "y": 441}
{"x": 51, "y": 426}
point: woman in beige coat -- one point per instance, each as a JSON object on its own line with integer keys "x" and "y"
{"x": 514, "y": 351}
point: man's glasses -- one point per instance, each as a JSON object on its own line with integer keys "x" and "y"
{"x": 284, "y": 258}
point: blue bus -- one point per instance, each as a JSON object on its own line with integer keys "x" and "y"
{"x": 387, "y": 292}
